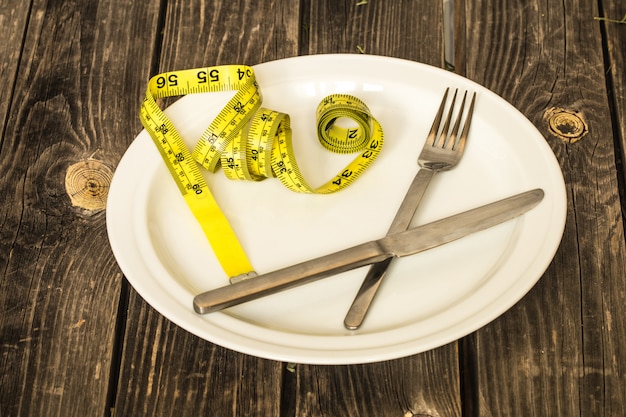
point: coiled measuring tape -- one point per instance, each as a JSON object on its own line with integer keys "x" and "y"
{"x": 249, "y": 143}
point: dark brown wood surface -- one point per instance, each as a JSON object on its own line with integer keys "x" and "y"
{"x": 76, "y": 339}
{"x": 60, "y": 286}
{"x": 565, "y": 339}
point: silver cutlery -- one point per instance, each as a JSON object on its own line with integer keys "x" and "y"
{"x": 441, "y": 152}
{"x": 404, "y": 243}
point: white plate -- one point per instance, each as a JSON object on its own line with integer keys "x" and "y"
{"x": 429, "y": 299}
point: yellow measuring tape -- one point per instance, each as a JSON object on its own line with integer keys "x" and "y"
{"x": 249, "y": 143}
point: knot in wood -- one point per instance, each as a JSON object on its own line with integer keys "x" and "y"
{"x": 87, "y": 184}
{"x": 567, "y": 125}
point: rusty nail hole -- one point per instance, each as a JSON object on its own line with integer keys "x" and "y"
{"x": 567, "y": 125}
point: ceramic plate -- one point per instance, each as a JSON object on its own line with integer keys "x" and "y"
{"x": 428, "y": 299}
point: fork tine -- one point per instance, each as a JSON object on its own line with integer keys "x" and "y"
{"x": 430, "y": 140}
{"x": 446, "y": 125}
{"x": 451, "y": 141}
{"x": 468, "y": 121}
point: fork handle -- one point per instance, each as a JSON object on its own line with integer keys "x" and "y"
{"x": 361, "y": 304}
{"x": 412, "y": 199}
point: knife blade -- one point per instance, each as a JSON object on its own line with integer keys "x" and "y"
{"x": 400, "y": 244}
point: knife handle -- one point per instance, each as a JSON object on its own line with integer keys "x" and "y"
{"x": 292, "y": 276}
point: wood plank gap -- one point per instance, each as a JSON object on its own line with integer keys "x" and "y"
{"x": 289, "y": 377}
{"x": 620, "y": 152}
{"x": 448, "y": 36}
{"x": 459, "y": 36}
{"x": 158, "y": 40}
{"x": 13, "y": 81}
{"x": 119, "y": 338}
{"x": 305, "y": 27}
{"x": 288, "y": 391}
{"x": 469, "y": 384}
{"x": 117, "y": 350}
{"x": 468, "y": 376}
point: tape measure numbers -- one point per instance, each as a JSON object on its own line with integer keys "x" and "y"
{"x": 186, "y": 173}
{"x": 250, "y": 143}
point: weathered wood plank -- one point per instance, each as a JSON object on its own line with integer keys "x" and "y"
{"x": 59, "y": 283}
{"x": 168, "y": 372}
{"x": 561, "y": 350}
{"x": 425, "y": 384}
{"x": 216, "y": 32}
{"x": 404, "y": 29}
{"x": 422, "y": 385}
{"x": 188, "y": 376}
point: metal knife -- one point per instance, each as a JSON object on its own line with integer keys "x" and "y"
{"x": 400, "y": 244}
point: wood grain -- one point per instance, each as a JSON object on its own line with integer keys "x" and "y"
{"x": 189, "y": 376}
{"x": 204, "y": 33}
{"x": 560, "y": 351}
{"x": 410, "y": 30}
{"x": 421, "y": 385}
{"x": 60, "y": 285}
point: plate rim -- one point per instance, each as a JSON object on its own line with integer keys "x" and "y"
{"x": 317, "y": 356}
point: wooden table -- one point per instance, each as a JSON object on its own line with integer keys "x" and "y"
{"x": 77, "y": 340}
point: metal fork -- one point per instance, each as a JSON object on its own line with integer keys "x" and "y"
{"x": 441, "y": 152}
